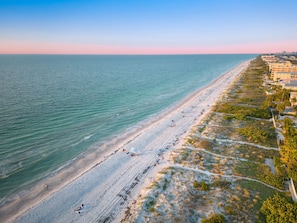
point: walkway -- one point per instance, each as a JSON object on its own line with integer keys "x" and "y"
{"x": 226, "y": 176}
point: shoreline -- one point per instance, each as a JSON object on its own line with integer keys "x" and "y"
{"x": 113, "y": 159}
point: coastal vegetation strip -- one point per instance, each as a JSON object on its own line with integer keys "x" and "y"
{"x": 224, "y": 163}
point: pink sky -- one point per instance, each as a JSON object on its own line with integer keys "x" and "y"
{"x": 29, "y": 47}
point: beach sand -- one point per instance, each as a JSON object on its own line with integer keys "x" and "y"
{"x": 108, "y": 185}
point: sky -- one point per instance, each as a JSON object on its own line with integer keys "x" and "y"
{"x": 147, "y": 26}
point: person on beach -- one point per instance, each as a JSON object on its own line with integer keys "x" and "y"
{"x": 173, "y": 123}
{"x": 79, "y": 208}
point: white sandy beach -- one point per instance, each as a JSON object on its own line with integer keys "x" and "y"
{"x": 116, "y": 179}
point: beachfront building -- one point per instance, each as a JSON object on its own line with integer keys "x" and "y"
{"x": 269, "y": 58}
{"x": 284, "y": 76}
{"x": 290, "y": 84}
{"x": 281, "y": 68}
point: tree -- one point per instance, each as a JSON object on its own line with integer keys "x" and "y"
{"x": 289, "y": 128}
{"x": 278, "y": 209}
{"x": 280, "y": 107}
{"x": 288, "y": 151}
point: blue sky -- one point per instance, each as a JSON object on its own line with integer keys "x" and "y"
{"x": 147, "y": 27}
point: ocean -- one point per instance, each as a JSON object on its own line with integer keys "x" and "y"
{"x": 53, "y": 108}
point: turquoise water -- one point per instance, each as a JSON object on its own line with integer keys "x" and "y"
{"x": 55, "y": 107}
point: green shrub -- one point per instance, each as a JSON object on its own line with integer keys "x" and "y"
{"x": 196, "y": 184}
{"x": 222, "y": 184}
{"x": 152, "y": 209}
{"x": 215, "y": 218}
{"x": 202, "y": 185}
{"x": 255, "y": 134}
{"x": 273, "y": 180}
{"x": 228, "y": 117}
{"x": 243, "y": 110}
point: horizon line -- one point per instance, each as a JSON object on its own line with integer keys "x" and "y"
{"x": 133, "y": 54}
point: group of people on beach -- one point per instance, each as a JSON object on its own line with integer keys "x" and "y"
{"x": 131, "y": 153}
{"x": 79, "y": 209}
